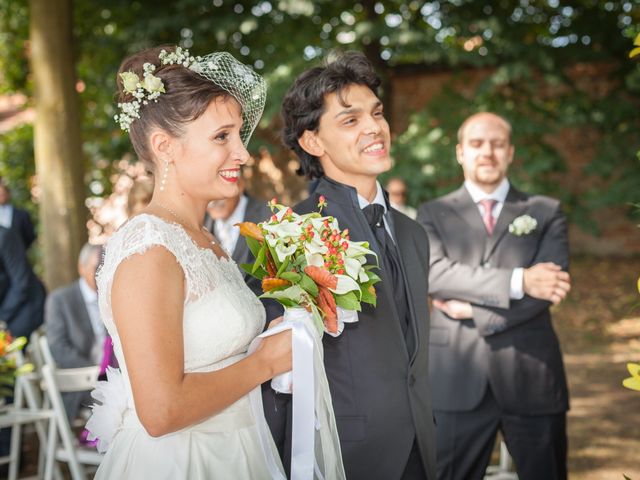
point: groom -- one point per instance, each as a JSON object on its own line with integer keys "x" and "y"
{"x": 378, "y": 367}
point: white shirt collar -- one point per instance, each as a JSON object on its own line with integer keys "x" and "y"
{"x": 379, "y": 198}
{"x": 88, "y": 294}
{"x": 238, "y": 213}
{"x": 499, "y": 194}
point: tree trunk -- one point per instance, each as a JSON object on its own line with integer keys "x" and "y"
{"x": 58, "y": 147}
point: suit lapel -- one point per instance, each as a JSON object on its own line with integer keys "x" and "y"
{"x": 463, "y": 205}
{"x": 406, "y": 250}
{"x": 514, "y": 206}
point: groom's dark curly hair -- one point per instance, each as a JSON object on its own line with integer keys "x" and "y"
{"x": 304, "y": 102}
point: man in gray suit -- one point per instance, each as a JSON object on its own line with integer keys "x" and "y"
{"x": 377, "y": 368}
{"x": 499, "y": 259}
{"x": 221, "y": 218}
{"x": 74, "y": 330}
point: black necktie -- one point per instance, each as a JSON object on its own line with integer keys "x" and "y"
{"x": 389, "y": 261}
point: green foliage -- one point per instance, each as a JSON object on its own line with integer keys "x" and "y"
{"x": 523, "y": 45}
{"x": 17, "y": 166}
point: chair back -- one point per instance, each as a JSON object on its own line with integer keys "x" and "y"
{"x": 56, "y": 381}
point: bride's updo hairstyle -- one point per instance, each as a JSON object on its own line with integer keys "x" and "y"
{"x": 187, "y": 95}
{"x": 167, "y": 88}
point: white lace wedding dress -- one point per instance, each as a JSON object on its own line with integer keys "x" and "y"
{"x": 221, "y": 317}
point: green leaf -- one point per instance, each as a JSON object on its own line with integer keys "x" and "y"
{"x": 260, "y": 258}
{"x": 292, "y": 277}
{"x": 348, "y": 301}
{"x": 254, "y": 245}
{"x": 283, "y": 267}
{"x": 373, "y": 276}
{"x": 367, "y": 296}
{"x": 260, "y": 273}
{"x": 274, "y": 256}
{"x": 308, "y": 285}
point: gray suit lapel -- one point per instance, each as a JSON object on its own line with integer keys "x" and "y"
{"x": 515, "y": 204}
{"x": 464, "y": 206}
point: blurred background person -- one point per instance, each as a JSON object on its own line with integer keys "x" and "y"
{"x": 221, "y": 217}
{"x": 14, "y": 218}
{"x": 22, "y": 295}
{"x": 397, "y": 190}
{"x": 22, "y": 298}
{"x": 74, "y": 330}
{"x": 139, "y": 196}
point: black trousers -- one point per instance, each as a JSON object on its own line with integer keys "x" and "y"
{"x": 465, "y": 440}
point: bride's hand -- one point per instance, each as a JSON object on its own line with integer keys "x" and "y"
{"x": 276, "y": 350}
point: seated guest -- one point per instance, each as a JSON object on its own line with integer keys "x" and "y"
{"x": 74, "y": 330}
{"x": 397, "y": 190}
{"x": 221, "y": 217}
{"x": 14, "y": 218}
{"x": 21, "y": 293}
{"x": 139, "y": 196}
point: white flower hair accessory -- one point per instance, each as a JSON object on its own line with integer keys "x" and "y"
{"x": 221, "y": 68}
{"x": 523, "y": 225}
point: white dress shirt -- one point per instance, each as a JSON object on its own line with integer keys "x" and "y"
{"x": 90, "y": 298}
{"x": 516, "y": 290}
{"x": 225, "y": 231}
{"x": 379, "y": 199}
{"x": 6, "y": 215}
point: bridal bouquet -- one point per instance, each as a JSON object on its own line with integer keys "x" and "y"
{"x": 321, "y": 277}
{"x": 307, "y": 261}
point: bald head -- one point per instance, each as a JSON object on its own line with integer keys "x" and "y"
{"x": 484, "y": 150}
{"x": 484, "y": 116}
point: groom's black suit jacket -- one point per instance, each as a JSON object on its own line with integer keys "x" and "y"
{"x": 379, "y": 389}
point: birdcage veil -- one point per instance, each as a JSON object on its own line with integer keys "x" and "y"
{"x": 245, "y": 85}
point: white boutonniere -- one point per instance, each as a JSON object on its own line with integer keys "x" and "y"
{"x": 523, "y": 225}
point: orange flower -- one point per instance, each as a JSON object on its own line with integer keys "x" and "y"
{"x": 250, "y": 229}
{"x": 322, "y": 276}
{"x": 327, "y": 305}
{"x": 269, "y": 284}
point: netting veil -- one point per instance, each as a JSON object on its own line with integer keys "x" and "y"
{"x": 245, "y": 85}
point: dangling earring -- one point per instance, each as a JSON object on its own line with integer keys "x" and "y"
{"x": 165, "y": 172}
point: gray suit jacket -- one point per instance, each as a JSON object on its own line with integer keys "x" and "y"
{"x": 70, "y": 335}
{"x": 379, "y": 389}
{"x": 509, "y": 344}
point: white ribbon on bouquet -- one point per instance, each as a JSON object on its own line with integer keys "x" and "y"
{"x": 315, "y": 451}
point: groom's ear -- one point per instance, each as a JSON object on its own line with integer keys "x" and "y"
{"x": 311, "y": 144}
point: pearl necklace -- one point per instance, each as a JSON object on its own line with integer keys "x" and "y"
{"x": 180, "y": 220}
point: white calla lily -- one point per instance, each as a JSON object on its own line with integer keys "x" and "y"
{"x": 284, "y": 230}
{"x": 283, "y": 252}
{"x": 314, "y": 259}
{"x": 345, "y": 284}
{"x": 357, "y": 249}
{"x": 352, "y": 266}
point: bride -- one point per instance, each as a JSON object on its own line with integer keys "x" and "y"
{"x": 177, "y": 308}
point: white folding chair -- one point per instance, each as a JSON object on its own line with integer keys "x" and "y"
{"x": 56, "y": 381}
{"x": 504, "y": 469}
{"x": 25, "y": 409}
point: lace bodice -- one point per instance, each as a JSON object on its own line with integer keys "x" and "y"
{"x": 221, "y": 314}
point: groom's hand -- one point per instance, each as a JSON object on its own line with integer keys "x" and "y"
{"x": 456, "y": 309}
